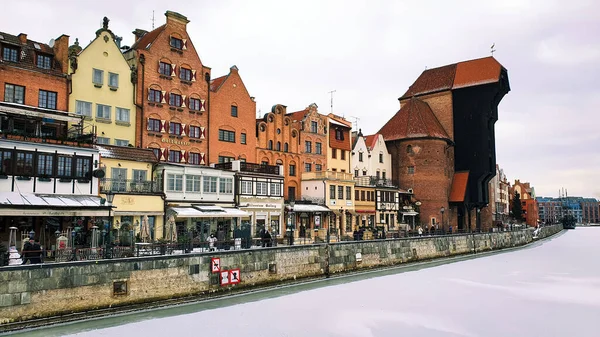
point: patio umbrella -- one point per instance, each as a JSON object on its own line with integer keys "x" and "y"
{"x": 172, "y": 232}
{"x": 145, "y": 229}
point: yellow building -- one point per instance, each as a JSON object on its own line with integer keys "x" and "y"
{"x": 101, "y": 89}
{"x": 138, "y": 198}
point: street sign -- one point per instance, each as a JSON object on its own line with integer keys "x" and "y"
{"x": 234, "y": 276}
{"x": 215, "y": 264}
{"x": 224, "y": 277}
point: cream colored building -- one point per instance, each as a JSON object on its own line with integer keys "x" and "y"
{"x": 102, "y": 90}
{"x": 138, "y": 199}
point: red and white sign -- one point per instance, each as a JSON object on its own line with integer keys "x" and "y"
{"x": 215, "y": 264}
{"x": 224, "y": 277}
{"x": 234, "y": 276}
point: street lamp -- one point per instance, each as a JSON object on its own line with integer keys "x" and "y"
{"x": 442, "y": 210}
{"x": 110, "y": 197}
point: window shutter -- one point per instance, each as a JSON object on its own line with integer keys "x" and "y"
{"x": 183, "y": 132}
{"x": 173, "y": 73}
{"x": 148, "y": 124}
{"x": 163, "y": 95}
{"x": 201, "y": 132}
{"x": 202, "y": 161}
{"x": 158, "y": 70}
{"x": 183, "y": 156}
{"x": 163, "y": 154}
{"x": 184, "y": 47}
{"x": 193, "y": 75}
{"x": 202, "y": 105}
{"x": 183, "y": 101}
{"x": 149, "y": 94}
{"x": 162, "y": 125}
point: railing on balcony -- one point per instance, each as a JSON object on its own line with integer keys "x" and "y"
{"x": 129, "y": 186}
{"x": 374, "y": 181}
{"x": 327, "y": 175}
{"x": 83, "y": 140}
{"x": 249, "y": 167}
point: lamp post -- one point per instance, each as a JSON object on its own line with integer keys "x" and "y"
{"x": 110, "y": 197}
{"x": 442, "y": 210}
{"x": 291, "y": 221}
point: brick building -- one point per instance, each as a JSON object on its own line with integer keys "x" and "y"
{"x": 442, "y": 140}
{"x": 172, "y": 92}
{"x": 232, "y": 128}
{"x": 278, "y": 143}
{"x": 528, "y": 201}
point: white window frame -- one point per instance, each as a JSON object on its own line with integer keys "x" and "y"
{"x": 94, "y": 77}
{"x": 193, "y": 183}
{"x": 275, "y": 189}
{"x": 225, "y": 185}
{"x": 120, "y": 112}
{"x": 111, "y": 83}
{"x": 121, "y": 142}
{"x": 103, "y": 111}
{"x": 209, "y": 184}
{"x": 261, "y": 188}
{"x": 103, "y": 140}
{"x": 246, "y": 187}
{"x": 174, "y": 182}
{"x": 83, "y": 108}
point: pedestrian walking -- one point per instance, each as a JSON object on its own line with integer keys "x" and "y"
{"x": 420, "y": 231}
{"x": 211, "y": 242}
{"x": 36, "y": 252}
{"x": 26, "y": 252}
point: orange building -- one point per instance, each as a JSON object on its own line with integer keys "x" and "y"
{"x": 313, "y": 138}
{"x": 172, "y": 90}
{"x": 528, "y": 202}
{"x": 278, "y": 143}
{"x": 232, "y": 126}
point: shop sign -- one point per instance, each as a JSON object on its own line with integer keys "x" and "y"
{"x": 253, "y": 205}
{"x": 174, "y": 141}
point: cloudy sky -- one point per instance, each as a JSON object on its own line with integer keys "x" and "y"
{"x": 369, "y": 52}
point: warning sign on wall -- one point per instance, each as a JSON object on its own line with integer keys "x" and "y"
{"x": 224, "y": 277}
{"x": 215, "y": 264}
{"x": 234, "y": 276}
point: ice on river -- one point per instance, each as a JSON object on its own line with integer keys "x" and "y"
{"x": 550, "y": 289}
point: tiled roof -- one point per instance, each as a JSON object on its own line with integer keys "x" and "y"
{"x": 217, "y": 83}
{"x": 454, "y": 76}
{"x": 146, "y": 41}
{"x": 459, "y": 187}
{"x": 414, "y": 120}
{"x": 371, "y": 141}
{"x": 126, "y": 153}
{"x": 28, "y": 52}
{"x": 298, "y": 115}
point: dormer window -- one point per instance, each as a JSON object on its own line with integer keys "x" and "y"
{"x": 176, "y": 43}
{"x": 44, "y": 61}
{"x": 10, "y": 54}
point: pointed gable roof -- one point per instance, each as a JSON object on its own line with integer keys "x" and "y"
{"x": 454, "y": 76}
{"x": 371, "y": 141}
{"x": 216, "y": 84}
{"x": 146, "y": 41}
{"x": 297, "y": 115}
{"x": 414, "y": 120}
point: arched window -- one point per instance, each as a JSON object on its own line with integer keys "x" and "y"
{"x": 285, "y": 147}
{"x": 270, "y": 146}
{"x": 279, "y": 162}
{"x": 278, "y": 148}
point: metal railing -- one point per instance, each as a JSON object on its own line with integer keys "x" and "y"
{"x": 374, "y": 181}
{"x": 129, "y": 186}
{"x": 327, "y": 175}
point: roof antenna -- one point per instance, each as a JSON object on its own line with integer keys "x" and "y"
{"x": 331, "y": 93}
{"x": 356, "y": 119}
{"x": 492, "y": 50}
{"x": 152, "y": 20}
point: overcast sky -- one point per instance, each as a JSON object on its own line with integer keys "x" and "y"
{"x": 369, "y": 52}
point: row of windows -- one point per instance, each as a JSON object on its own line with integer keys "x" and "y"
{"x": 308, "y": 147}
{"x": 286, "y": 147}
{"x": 229, "y": 136}
{"x": 175, "y": 100}
{"x": 386, "y": 196}
{"x": 11, "y": 54}
{"x": 175, "y": 156}
{"x": 185, "y": 74}
{"x": 342, "y": 154}
{"x": 103, "y": 111}
{"x": 364, "y": 195}
{"x": 198, "y": 183}
{"x": 378, "y": 174}
{"x": 340, "y": 192}
{"x": 273, "y": 189}
{"x": 27, "y": 163}
{"x": 117, "y": 142}
{"x": 175, "y": 128}
{"x": 360, "y": 157}
{"x": 16, "y": 94}
{"x": 98, "y": 78}
{"x": 308, "y": 167}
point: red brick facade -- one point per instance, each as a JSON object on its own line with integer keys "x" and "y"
{"x": 278, "y": 143}
{"x": 172, "y": 93}
{"x": 26, "y": 73}
{"x": 232, "y": 109}
{"x": 313, "y": 129}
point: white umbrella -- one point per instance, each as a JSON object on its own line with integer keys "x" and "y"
{"x": 172, "y": 233}
{"x": 145, "y": 229}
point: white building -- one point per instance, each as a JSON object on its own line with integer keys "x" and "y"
{"x": 370, "y": 157}
{"x": 499, "y": 196}
{"x": 200, "y": 200}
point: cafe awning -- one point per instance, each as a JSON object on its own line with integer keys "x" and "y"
{"x": 29, "y": 204}
{"x": 210, "y": 211}
{"x": 49, "y": 114}
{"x": 310, "y": 208}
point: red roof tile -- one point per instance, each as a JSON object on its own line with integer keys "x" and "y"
{"x": 477, "y": 72}
{"x": 27, "y": 55}
{"x": 459, "y": 187}
{"x": 454, "y": 76}
{"x": 298, "y": 115}
{"x": 127, "y": 153}
{"x": 146, "y": 41}
{"x": 216, "y": 84}
{"x": 414, "y": 120}
{"x": 371, "y": 141}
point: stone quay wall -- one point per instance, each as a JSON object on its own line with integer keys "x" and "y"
{"x": 47, "y": 290}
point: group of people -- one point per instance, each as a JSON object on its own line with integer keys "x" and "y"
{"x": 32, "y": 252}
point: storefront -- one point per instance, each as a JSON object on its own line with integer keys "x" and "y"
{"x": 311, "y": 220}
{"x": 263, "y": 216}
{"x": 203, "y": 220}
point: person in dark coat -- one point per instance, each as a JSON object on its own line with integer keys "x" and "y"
{"x": 36, "y": 253}
{"x": 26, "y": 252}
{"x": 266, "y": 239}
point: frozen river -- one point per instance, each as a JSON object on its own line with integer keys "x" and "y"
{"x": 549, "y": 289}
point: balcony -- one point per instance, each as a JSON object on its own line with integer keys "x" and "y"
{"x": 374, "y": 181}
{"x": 242, "y": 166}
{"x": 129, "y": 186}
{"x": 327, "y": 175}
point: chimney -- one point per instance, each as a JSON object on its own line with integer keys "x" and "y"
{"x": 138, "y": 33}
{"x": 61, "y": 52}
{"x": 23, "y": 38}
{"x": 176, "y": 18}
